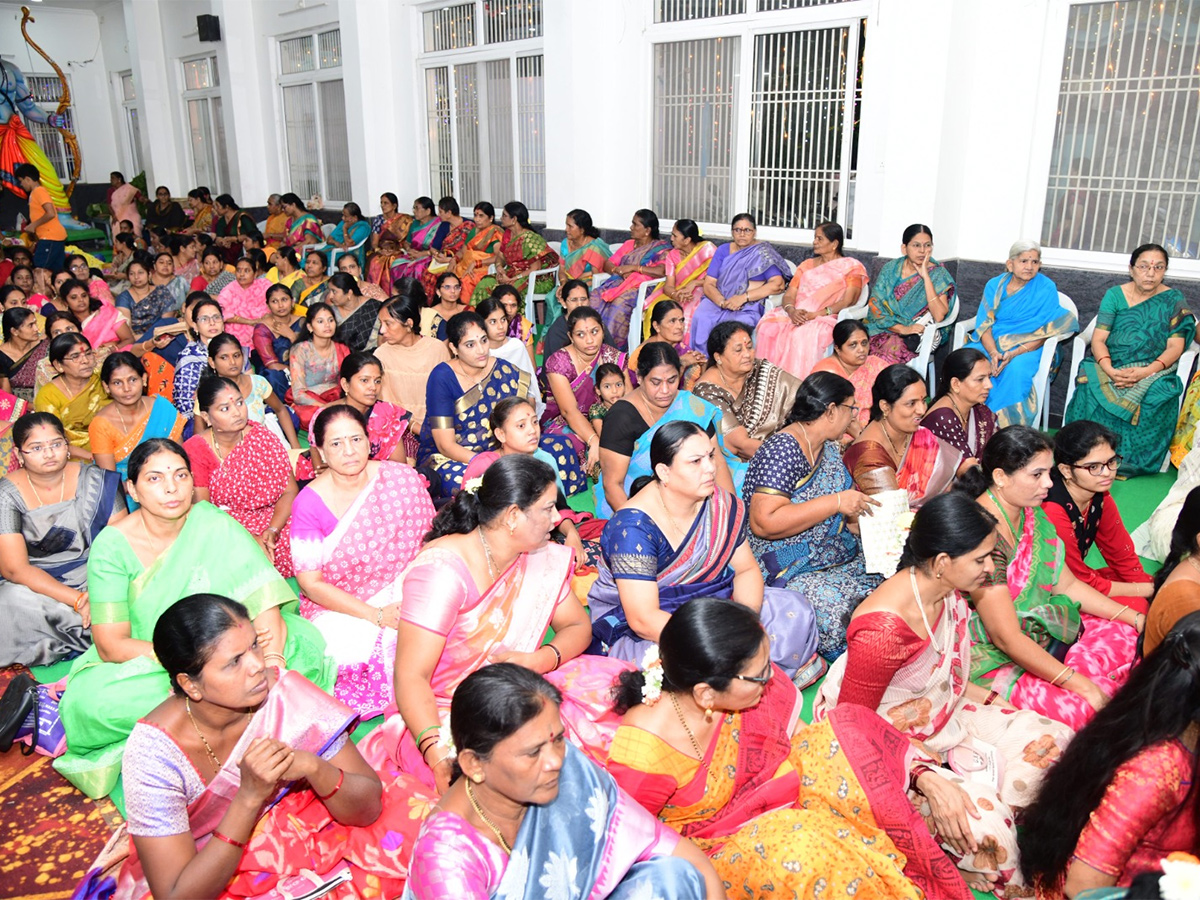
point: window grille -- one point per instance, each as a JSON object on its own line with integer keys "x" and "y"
{"x": 684, "y": 10}
{"x": 300, "y": 129}
{"x": 437, "y": 106}
{"x": 776, "y": 5}
{"x": 329, "y": 46}
{"x": 296, "y": 55}
{"x": 531, "y": 130}
{"x": 449, "y": 28}
{"x": 46, "y": 91}
{"x": 511, "y": 20}
{"x": 499, "y": 152}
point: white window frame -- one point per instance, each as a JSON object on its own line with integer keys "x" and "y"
{"x": 49, "y": 108}
{"x": 131, "y": 144}
{"x": 479, "y": 54}
{"x": 314, "y": 77}
{"x": 1041, "y": 155}
{"x": 222, "y": 182}
{"x": 748, "y": 26}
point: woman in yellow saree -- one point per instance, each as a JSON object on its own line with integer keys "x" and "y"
{"x": 75, "y": 394}
{"x": 389, "y": 230}
{"x": 686, "y": 266}
{"x": 485, "y": 237}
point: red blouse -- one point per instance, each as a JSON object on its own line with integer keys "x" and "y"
{"x": 1113, "y": 540}
{"x": 878, "y": 644}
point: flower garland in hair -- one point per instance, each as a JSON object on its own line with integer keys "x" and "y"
{"x": 1180, "y": 878}
{"x": 652, "y": 672}
{"x": 472, "y": 487}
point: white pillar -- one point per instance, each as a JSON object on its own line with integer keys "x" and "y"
{"x": 164, "y": 157}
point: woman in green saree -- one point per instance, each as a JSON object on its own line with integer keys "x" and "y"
{"x": 168, "y": 549}
{"x": 522, "y": 250}
{"x": 1130, "y": 385}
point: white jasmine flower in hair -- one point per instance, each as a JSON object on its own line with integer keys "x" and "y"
{"x": 1181, "y": 877}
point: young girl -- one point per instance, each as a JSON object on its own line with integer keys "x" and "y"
{"x": 227, "y": 359}
{"x": 509, "y": 348}
{"x": 273, "y": 336}
{"x": 610, "y": 385}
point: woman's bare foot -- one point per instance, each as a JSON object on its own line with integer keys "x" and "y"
{"x": 984, "y": 882}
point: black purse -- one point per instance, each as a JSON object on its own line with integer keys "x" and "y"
{"x": 19, "y": 701}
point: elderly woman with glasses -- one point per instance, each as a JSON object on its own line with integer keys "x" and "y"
{"x": 75, "y": 394}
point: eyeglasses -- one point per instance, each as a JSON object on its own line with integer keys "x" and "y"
{"x": 1146, "y": 267}
{"x": 1097, "y": 468}
{"x": 743, "y": 231}
{"x": 853, "y": 407}
{"x": 209, "y": 320}
{"x": 52, "y": 447}
{"x": 82, "y": 354}
{"x": 757, "y": 679}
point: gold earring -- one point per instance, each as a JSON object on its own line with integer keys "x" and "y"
{"x": 708, "y": 713}
{"x": 939, "y": 574}
{"x": 511, "y": 528}
{"x": 478, "y": 779}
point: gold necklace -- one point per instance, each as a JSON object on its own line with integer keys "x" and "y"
{"x": 895, "y": 454}
{"x": 686, "y": 727}
{"x": 487, "y": 551}
{"x": 804, "y": 434}
{"x": 663, "y": 500}
{"x": 62, "y": 488}
{"x": 187, "y": 704}
{"x": 504, "y": 845}
{"x": 962, "y": 417}
{"x": 127, "y": 428}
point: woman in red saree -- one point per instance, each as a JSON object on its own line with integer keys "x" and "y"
{"x": 389, "y": 230}
{"x": 521, "y": 251}
{"x": 225, "y": 804}
{"x": 444, "y": 258}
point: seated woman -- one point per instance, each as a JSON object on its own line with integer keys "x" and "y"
{"x": 519, "y": 326}
{"x": 570, "y": 296}
{"x": 740, "y": 276}
{"x": 227, "y": 360}
{"x": 1084, "y": 514}
{"x": 509, "y": 349}
{"x": 799, "y": 334}
{"x": 75, "y": 395}
{"x": 912, "y": 293}
{"x": 124, "y": 246}
{"x": 144, "y": 304}
{"x": 1043, "y": 639}
{"x": 1176, "y": 586}
{"x": 852, "y": 359}
{"x": 1123, "y": 795}
{"x": 630, "y": 426}
{"x": 459, "y": 400}
{"x": 959, "y": 414}
{"x": 470, "y": 262}
{"x": 908, "y": 648}
{"x": 638, "y": 260}
{"x": 313, "y": 282}
{"x": 357, "y": 316}
{"x": 163, "y": 275}
{"x": 581, "y": 254}
{"x": 240, "y": 467}
{"x": 425, "y": 234}
{"x": 669, "y": 323}
{"x": 206, "y": 813}
{"x": 213, "y": 277}
{"x": 407, "y": 356}
{"x": 389, "y": 230}
{"x": 205, "y": 320}
{"x": 165, "y": 212}
{"x": 914, "y": 459}
{"x": 686, "y": 265}
{"x": 200, "y": 202}
{"x": 781, "y": 808}
{"x": 273, "y": 337}
{"x": 51, "y": 509}
{"x": 97, "y": 287}
{"x": 349, "y": 235}
{"x": 230, "y": 224}
{"x": 1130, "y": 385}
{"x": 443, "y": 259}
{"x": 447, "y": 303}
{"x": 654, "y": 561}
{"x": 570, "y": 376}
{"x": 348, "y": 263}
{"x": 502, "y": 716}
{"x": 348, "y": 562}
{"x": 285, "y": 268}
{"x": 804, "y": 509}
{"x": 141, "y": 566}
{"x": 756, "y": 393}
{"x": 388, "y": 425}
{"x": 302, "y": 226}
{"x": 314, "y": 363}
{"x": 22, "y": 350}
{"x": 522, "y": 250}
{"x": 132, "y": 417}
{"x": 1017, "y": 315}
{"x": 185, "y": 255}
{"x": 103, "y": 326}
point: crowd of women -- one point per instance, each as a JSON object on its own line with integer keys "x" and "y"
{"x": 255, "y": 503}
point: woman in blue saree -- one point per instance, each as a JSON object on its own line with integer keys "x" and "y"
{"x": 352, "y": 231}
{"x": 1018, "y": 313}
{"x": 741, "y": 275}
{"x": 908, "y": 288}
{"x": 682, "y": 536}
{"x": 459, "y": 398}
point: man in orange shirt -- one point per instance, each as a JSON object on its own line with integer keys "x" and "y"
{"x": 50, "y": 252}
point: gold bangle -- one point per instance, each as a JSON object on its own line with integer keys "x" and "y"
{"x": 1065, "y": 670}
{"x": 1117, "y": 613}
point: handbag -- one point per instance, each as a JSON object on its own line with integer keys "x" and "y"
{"x": 18, "y": 710}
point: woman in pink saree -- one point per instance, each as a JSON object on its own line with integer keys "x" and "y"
{"x": 485, "y": 589}
{"x": 270, "y": 804}
{"x": 797, "y": 335}
{"x": 639, "y": 259}
{"x": 123, "y": 203}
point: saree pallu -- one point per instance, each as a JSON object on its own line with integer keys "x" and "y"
{"x": 764, "y": 403}
{"x": 863, "y": 379}
{"x": 821, "y": 810}
{"x": 617, "y": 850}
{"x": 364, "y": 554}
{"x": 387, "y": 429}
{"x": 360, "y": 231}
{"x": 420, "y": 237}
{"x": 307, "y": 294}
{"x": 358, "y": 330}
{"x": 926, "y": 700}
{"x": 37, "y": 630}
{"x": 970, "y": 441}
{"x": 297, "y": 843}
{"x": 123, "y": 204}
{"x": 477, "y": 251}
{"x": 103, "y": 700}
{"x": 1103, "y": 651}
{"x": 244, "y": 302}
{"x": 454, "y": 241}
{"x": 1144, "y": 414}
{"x": 12, "y": 408}
{"x": 241, "y": 225}
{"x": 193, "y": 361}
{"x": 314, "y": 378}
{"x": 202, "y": 220}
{"x": 213, "y": 288}
{"x": 145, "y": 312}
{"x": 161, "y": 421}
{"x": 689, "y": 274}
{"x": 927, "y": 469}
{"x": 523, "y": 253}
{"x": 615, "y": 297}
{"x": 269, "y": 350}
{"x": 304, "y": 226}
{"x": 1030, "y": 314}
{"x": 75, "y": 413}
{"x": 100, "y": 327}
{"x": 22, "y": 373}
{"x": 583, "y": 386}
{"x": 896, "y": 300}
{"x": 634, "y": 548}
{"x": 797, "y": 348}
{"x": 98, "y": 289}
{"x": 734, "y": 273}
{"x": 392, "y": 234}
{"x": 687, "y": 380}
{"x": 825, "y": 562}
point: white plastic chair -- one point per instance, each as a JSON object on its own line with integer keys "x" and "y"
{"x": 334, "y": 252}
{"x": 922, "y": 363}
{"x": 639, "y": 310}
{"x": 262, "y": 226}
{"x": 860, "y": 307}
{"x": 532, "y": 296}
{"x": 775, "y": 300}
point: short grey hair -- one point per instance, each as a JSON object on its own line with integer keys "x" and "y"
{"x": 1024, "y": 246}
{"x": 274, "y": 198}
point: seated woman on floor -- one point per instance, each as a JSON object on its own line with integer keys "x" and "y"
{"x": 203, "y": 771}
{"x": 1123, "y": 795}
{"x": 912, "y": 293}
{"x": 313, "y": 282}
{"x": 804, "y": 509}
{"x": 227, "y": 360}
{"x": 682, "y": 536}
{"x": 959, "y": 414}
{"x": 447, "y": 303}
{"x": 97, "y": 287}
{"x": 314, "y": 363}
{"x": 908, "y": 648}
{"x": 245, "y": 299}
{"x": 485, "y": 588}
{"x": 509, "y": 349}
{"x": 213, "y": 275}
{"x": 145, "y": 305}
{"x": 239, "y": 466}
{"x": 638, "y": 260}
{"x": 1084, "y": 514}
{"x": 1017, "y": 315}
{"x": 895, "y": 451}
{"x": 348, "y": 562}
{"x": 76, "y": 394}
{"x": 569, "y": 297}
{"x": 757, "y": 393}
{"x": 205, "y": 320}
{"x": 51, "y": 509}
{"x": 502, "y": 830}
{"x": 1176, "y": 586}
{"x": 459, "y": 400}
{"x": 356, "y": 315}
{"x": 781, "y": 808}
{"x": 139, "y": 568}
{"x": 273, "y": 337}
{"x": 668, "y": 323}
{"x": 851, "y": 358}
{"x": 23, "y": 348}
{"x": 407, "y": 355}
{"x": 349, "y": 264}
{"x": 1043, "y": 639}
{"x": 519, "y": 325}
{"x": 100, "y": 323}
{"x": 132, "y": 417}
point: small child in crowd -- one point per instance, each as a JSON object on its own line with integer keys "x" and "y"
{"x": 610, "y": 384}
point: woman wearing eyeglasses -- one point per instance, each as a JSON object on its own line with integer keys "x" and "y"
{"x": 1083, "y": 513}
{"x": 1130, "y": 384}
{"x": 75, "y": 394}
